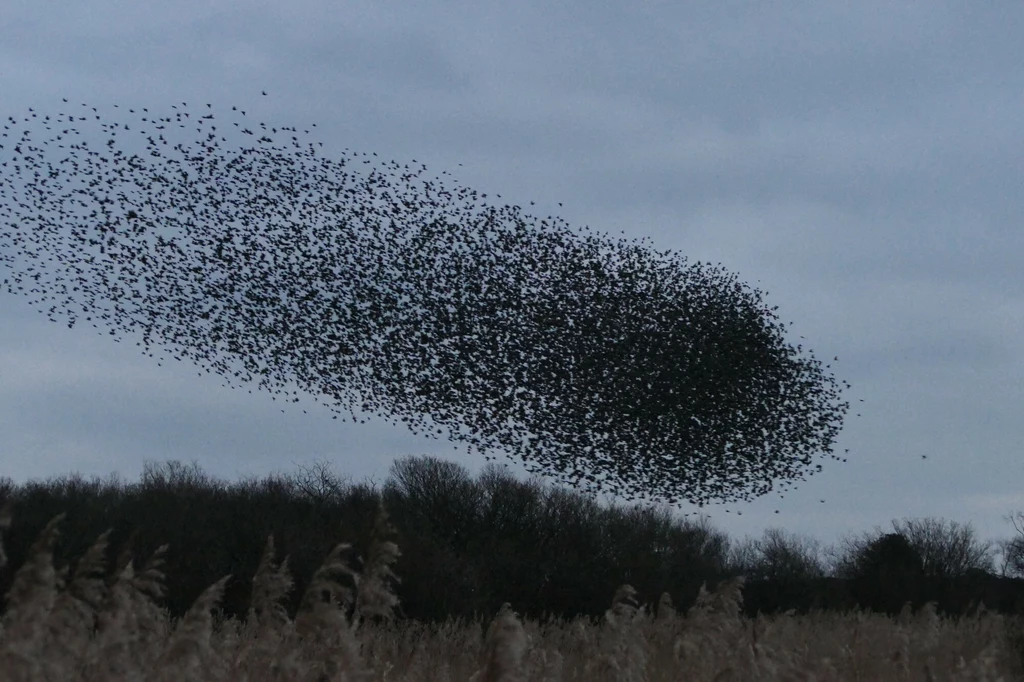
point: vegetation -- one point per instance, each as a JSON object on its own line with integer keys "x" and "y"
{"x": 468, "y": 545}
{"x": 88, "y": 624}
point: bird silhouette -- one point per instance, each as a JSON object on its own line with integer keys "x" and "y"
{"x": 378, "y": 291}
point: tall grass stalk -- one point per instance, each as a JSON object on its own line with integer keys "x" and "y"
{"x": 86, "y": 628}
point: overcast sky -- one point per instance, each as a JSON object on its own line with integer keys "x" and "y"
{"x": 860, "y": 162}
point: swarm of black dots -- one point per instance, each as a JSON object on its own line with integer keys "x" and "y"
{"x": 243, "y": 248}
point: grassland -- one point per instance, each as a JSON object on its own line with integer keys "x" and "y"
{"x": 96, "y": 624}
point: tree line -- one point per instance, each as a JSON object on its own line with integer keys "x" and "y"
{"x": 468, "y": 545}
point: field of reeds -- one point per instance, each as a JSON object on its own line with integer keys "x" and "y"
{"x": 96, "y": 624}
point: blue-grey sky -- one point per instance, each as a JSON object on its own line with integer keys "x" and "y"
{"x": 860, "y": 162}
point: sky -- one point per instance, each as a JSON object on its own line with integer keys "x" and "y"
{"x": 859, "y": 162}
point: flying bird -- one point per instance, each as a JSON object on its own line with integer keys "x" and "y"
{"x": 377, "y": 291}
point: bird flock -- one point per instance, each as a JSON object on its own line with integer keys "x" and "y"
{"x": 240, "y": 246}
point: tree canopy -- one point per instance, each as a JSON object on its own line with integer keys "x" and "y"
{"x": 237, "y": 245}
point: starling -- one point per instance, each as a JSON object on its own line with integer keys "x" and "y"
{"x": 594, "y": 361}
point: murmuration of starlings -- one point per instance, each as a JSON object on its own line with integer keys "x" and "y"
{"x": 241, "y": 247}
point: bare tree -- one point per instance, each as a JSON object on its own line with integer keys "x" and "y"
{"x": 742, "y": 556}
{"x": 318, "y": 484}
{"x": 779, "y": 556}
{"x": 948, "y": 549}
{"x": 1012, "y": 550}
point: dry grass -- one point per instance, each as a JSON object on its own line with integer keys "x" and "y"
{"x": 81, "y": 629}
